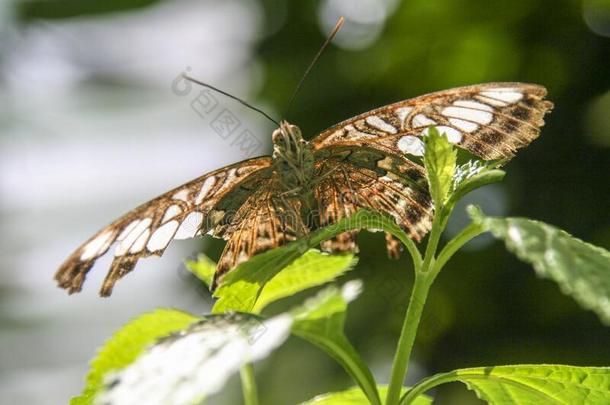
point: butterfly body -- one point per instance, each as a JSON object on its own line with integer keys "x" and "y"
{"x": 293, "y": 158}
{"x": 371, "y": 161}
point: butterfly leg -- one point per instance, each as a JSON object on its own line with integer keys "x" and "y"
{"x": 393, "y": 246}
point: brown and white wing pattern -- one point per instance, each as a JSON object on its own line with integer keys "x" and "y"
{"x": 336, "y": 199}
{"x": 388, "y": 185}
{"x": 184, "y": 212}
{"x": 266, "y": 220}
{"x": 489, "y": 120}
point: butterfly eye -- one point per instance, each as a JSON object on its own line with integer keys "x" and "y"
{"x": 277, "y": 137}
{"x": 295, "y": 132}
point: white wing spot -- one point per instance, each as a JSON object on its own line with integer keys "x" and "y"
{"x": 353, "y": 133}
{"x": 411, "y": 144}
{"x": 228, "y": 181}
{"x": 453, "y": 135}
{"x": 171, "y": 212}
{"x": 504, "y": 95}
{"x": 128, "y": 229}
{"x": 181, "y": 195}
{"x": 189, "y": 226}
{"x": 231, "y": 174}
{"x": 161, "y": 237}
{"x": 470, "y": 111}
{"x": 380, "y": 124}
{"x": 466, "y": 126}
{"x": 97, "y": 246}
{"x": 131, "y": 237}
{"x": 205, "y": 189}
{"x": 402, "y": 113}
{"x": 139, "y": 244}
{"x": 420, "y": 120}
{"x": 473, "y": 104}
{"x": 491, "y": 101}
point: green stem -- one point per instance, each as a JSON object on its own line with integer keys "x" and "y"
{"x": 342, "y": 351}
{"x": 407, "y": 337}
{"x": 429, "y": 270}
{"x": 248, "y": 384}
{"x": 435, "y": 237}
{"x": 412, "y": 249}
{"x": 455, "y": 244}
{"x": 423, "y": 280}
{"x": 426, "y": 385}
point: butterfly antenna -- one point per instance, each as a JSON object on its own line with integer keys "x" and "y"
{"x": 209, "y": 86}
{"x": 314, "y": 61}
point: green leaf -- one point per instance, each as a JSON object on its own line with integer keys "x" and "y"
{"x": 472, "y": 175}
{"x": 128, "y": 343}
{"x": 472, "y": 168}
{"x": 440, "y": 161}
{"x": 320, "y": 321}
{"x": 186, "y": 367}
{"x": 355, "y": 396}
{"x": 189, "y": 366}
{"x": 535, "y": 384}
{"x": 467, "y": 170}
{"x": 312, "y": 269}
{"x": 203, "y": 268}
{"x": 538, "y": 384}
{"x": 324, "y": 314}
{"x": 242, "y": 287}
{"x": 582, "y": 270}
{"x": 527, "y": 384}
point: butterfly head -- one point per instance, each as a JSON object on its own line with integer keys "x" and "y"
{"x": 288, "y": 141}
{"x": 292, "y": 155}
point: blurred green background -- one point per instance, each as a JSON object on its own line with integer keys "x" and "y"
{"x": 90, "y": 128}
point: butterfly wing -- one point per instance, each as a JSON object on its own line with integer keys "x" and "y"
{"x": 184, "y": 212}
{"x": 361, "y": 162}
{"x": 489, "y": 120}
{"x": 387, "y": 184}
{"x": 370, "y": 152}
{"x": 266, "y": 220}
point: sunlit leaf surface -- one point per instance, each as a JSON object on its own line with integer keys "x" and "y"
{"x": 355, "y": 396}
{"x": 472, "y": 175}
{"x": 582, "y": 270}
{"x": 203, "y": 268}
{"x": 440, "y": 160}
{"x": 243, "y": 286}
{"x": 188, "y": 365}
{"x": 128, "y": 343}
{"x": 312, "y": 269}
{"x": 539, "y": 384}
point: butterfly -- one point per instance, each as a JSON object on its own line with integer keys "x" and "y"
{"x": 371, "y": 161}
